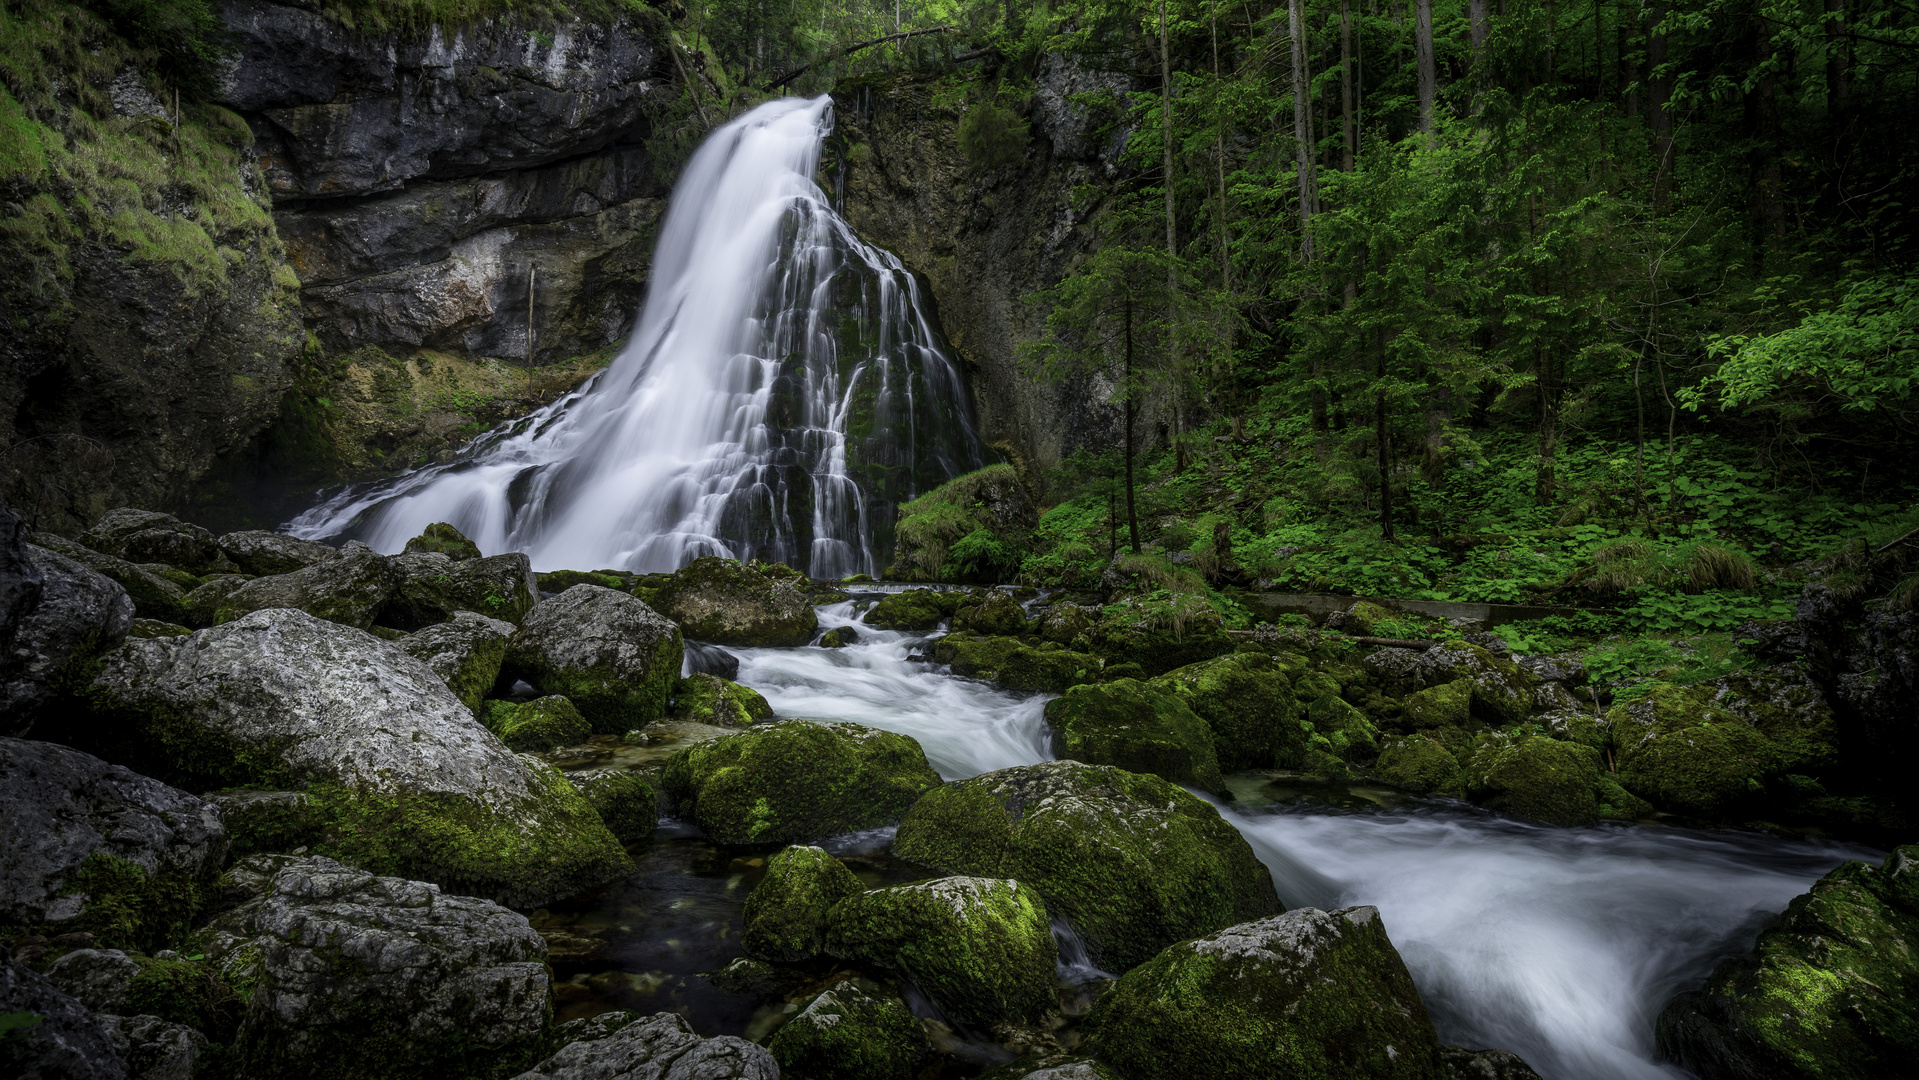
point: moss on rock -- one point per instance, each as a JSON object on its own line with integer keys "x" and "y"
{"x": 546, "y": 723}
{"x": 849, "y": 1033}
{"x": 610, "y": 654}
{"x": 1419, "y": 763}
{"x": 721, "y": 601}
{"x": 1047, "y": 669}
{"x": 1349, "y": 733}
{"x": 1247, "y": 700}
{"x": 1446, "y": 705}
{"x": 626, "y": 803}
{"x": 1535, "y": 777}
{"x": 1135, "y": 726}
{"x": 797, "y": 780}
{"x": 786, "y": 914}
{"x": 709, "y": 699}
{"x": 914, "y": 609}
{"x": 1136, "y": 863}
{"x": 981, "y": 947}
{"x": 1364, "y": 617}
{"x": 443, "y": 539}
{"x": 994, "y": 613}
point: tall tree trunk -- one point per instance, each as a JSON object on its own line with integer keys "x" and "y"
{"x": 1172, "y": 243}
{"x": 1302, "y": 132}
{"x": 1351, "y": 145}
{"x": 1428, "y": 72}
{"x": 1480, "y": 17}
{"x": 1762, "y": 149}
{"x": 1221, "y": 370}
{"x": 1838, "y": 71}
{"x": 1132, "y": 514}
{"x": 1383, "y": 445}
{"x": 1659, "y": 87}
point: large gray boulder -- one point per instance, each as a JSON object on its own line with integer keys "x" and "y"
{"x": 145, "y": 536}
{"x": 386, "y": 977}
{"x": 96, "y": 978}
{"x": 1502, "y": 690}
{"x": 465, "y": 651}
{"x": 412, "y": 781}
{"x": 718, "y": 600}
{"x": 154, "y": 597}
{"x": 430, "y": 587}
{"x": 19, "y": 580}
{"x": 68, "y": 1042}
{"x": 349, "y": 590}
{"x": 64, "y": 615}
{"x": 94, "y": 846}
{"x": 263, "y": 553}
{"x": 154, "y": 1049}
{"x": 610, "y": 654}
{"x": 660, "y": 1047}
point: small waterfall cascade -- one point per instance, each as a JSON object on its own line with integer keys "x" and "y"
{"x": 783, "y": 392}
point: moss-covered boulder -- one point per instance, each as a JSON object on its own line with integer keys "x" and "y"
{"x": 349, "y": 590}
{"x": 202, "y": 605}
{"x": 914, "y": 609}
{"x": 146, "y": 536}
{"x": 1053, "y": 1066}
{"x": 1063, "y": 622}
{"x": 615, "y": 658}
{"x": 839, "y": 638}
{"x": 718, "y": 600}
{"x": 992, "y": 612}
{"x": 1502, "y": 690}
{"x": 850, "y": 1032}
{"x": 1363, "y": 618}
{"x": 1305, "y": 994}
{"x": 973, "y": 655}
{"x": 263, "y": 553}
{"x": 430, "y": 587}
{"x": 1341, "y": 730}
{"x": 970, "y": 528}
{"x": 1136, "y": 863}
{"x": 1535, "y": 777}
{"x": 981, "y": 947}
{"x": 1831, "y": 993}
{"x": 1047, "y": 669}
{"x": 786, "y": 914}
{"x": 1446, "y": 705}
{"x": 709, "y": 699}
{"x": 796, "y": 780}
{"x": 545, "y": 723}
{"x": 558, "y": 581}
{"x": 1419, "y": 763}
{"x": 465, "y": 651}
{"x": 441, "y": 538}
{"x": 1247, "y": 699}
{"x": 1135, "y": 726}
{"x": 626, "y": 803}
{"x": 153, "y": 595}
{"x": 1717, "y": 748}
{"x": 1156, "y": 638}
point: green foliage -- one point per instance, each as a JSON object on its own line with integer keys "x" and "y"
{"x": 188, "y": 36}
{"x": 18, "y": 1025}
{"x": 993, "y": 136}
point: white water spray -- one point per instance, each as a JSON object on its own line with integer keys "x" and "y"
{"x": 782, "y": 392}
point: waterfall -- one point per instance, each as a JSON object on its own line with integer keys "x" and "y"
{"x": 783, "y": 391}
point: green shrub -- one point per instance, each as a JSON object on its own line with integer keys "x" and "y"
{"x": 993, "y": 136}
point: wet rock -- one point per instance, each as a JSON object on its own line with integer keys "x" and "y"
{"x": 1419, "y": 763}
{"x": 839, "y": 638}
{"x": 280, "y": 699}
{"x": 465, "y": 651}
{"x": 349, "y": 590}
{"x": 202, "y": 605}
{"x": 442, "y": 538}
{"x": 96, "y": 978}
{"x": 718, "y": 600}
{"x": 1307, "y": 993}
{"x": 267, "y": 821}
{"x": 154, "y": 597}
{"x": 796, "y": 780}
{"x": 913, "y": 610}
{"x": 614, "y": 657}
{"x": 994, "y": 612}
{"x": 19, "y": 580}
{"x": 1135, "y": 726}
{"x": 1340, "y": 731}
{"x": 981, "y": 947}
{"x": 432, "y": 587}
{"x": 1832, "y": 991}
{"x": 546, "y": 723}
{"x": 77, "y": 615}
{"x": 143, "y": 536}
{"x": 1013, "y": 664}
{"x": 67, "y": 1043}
{"x": 1247, "y": 700}
{"x": 1052, "y": 1067}
{"x": 787, "y": 911}
{"x": 263, "y": 553}
{"x": 351, "y": 965}
{"x": 1446, "y": 705}
{"x": 709, "y": 699}
{"x": 627, "y": 804}
{"x": 662, "y": 1045}
{"x": 847, "y": 1033}
{"x": 1459, "y": 1063}
{"x": 1502, "y": 691}
{"x": 1712, "y": 749}
{"x": 154, "y": 1049}
{"x": 1132, "y": 633}
{"x": 91, "y": 846}
{"x": 1133, "y": 861}
{"x": 704, "y": 659}
{"x": 1535, "y": 777}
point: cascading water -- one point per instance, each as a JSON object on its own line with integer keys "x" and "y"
{"x": 782, "y": 393}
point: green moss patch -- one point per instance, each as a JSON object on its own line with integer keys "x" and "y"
{"x": 1135, "y": 726}
{"x": 786, "y": 914}
{"x": 708, "y": 699}
{"x": 546, "y": 723}
{"x": 850, "y": 1032}
{"x": 1247, "y": 700}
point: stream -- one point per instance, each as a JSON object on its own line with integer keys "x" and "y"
{"x": 1560, "y": 945}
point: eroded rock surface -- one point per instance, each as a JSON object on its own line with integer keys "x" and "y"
{"x": 66, "y": 615}
{"x": 610, "y": 654}
{"x": 660, "y": 1047}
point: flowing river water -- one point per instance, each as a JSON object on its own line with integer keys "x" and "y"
{"x": 1560, "y": 945}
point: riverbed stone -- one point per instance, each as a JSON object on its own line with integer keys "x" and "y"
{"x": 1535, "y": 777}
{"x": 625, "y": 801}
{"x": 1129, "y": 632}
{"x": 850, "y": 1033}
{"x": 786, "y": 913}
{"x": 154, "y": 1049}
{"x": 349, "y": 590}
{"x": 914, "y": 609}
{"x": 981, "y": 947}
{"x": 610, "y": 654}
{"x": 1306, "y": 993}
{"x": 1419, "y": 763}
{"x": 545, "y": 723}
{"x": 796, "y": 780}
{"x": 92, "y": 846}
{"x": 69, "y": 616}
{"x": 1136, "y": 863}
{"x": 465, "y": 651}
{"x": 721, "y": 601}
{"x": 380, "y": 976}
{"x": 146, "y": 536}
{"x": 1446, "y": 705}
{"x": 441, "y": 538}
{"x": 839, "y": 638}
{"x": 992, "y": 612}
{"x": 1341, "y": 730}
{"x": 1135, "y": 726}
{"x": 1502, "y": 690}
{"x": 262, "y": 553}
{"x": 407, "y": 777}
{"x": 1459, "y": 1063}
{"x": 67, "y": 1044}
{"x": 709, "y": 699}
{"x": 154, "y": 596}
{"x": 662, "y": 1046}
{"x": 1247, "y": 700}
{"x": 431, "y": 587}
{"x": 96, "y": 978}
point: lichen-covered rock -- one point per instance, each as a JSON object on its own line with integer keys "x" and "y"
{"x": 154, "y": 1049}
{"x": 96, "y": 978}
{"x": 408, "y": 779}
{"x": 378, "y": 976}
{"x": 839, "y": 638}
{"x": 90, "y": 846}
{"x": 1135, "y": 726}
{"x": 659, "y": 1047}
{"x": 1133, "y": 861}
{"x": 349, "y": 590}
{"x": 1831, "y": 992}
{"x": 465, "y": 651}
{"x": 442, "y": 538}
{"x": 1247, "y": 699}
{"x": 847, "y": 1033}
{"x": 1306, "y": 994}
{"x": 1564, "y": 670}
{"x": 1502, "y": 691}
{"x": 67, "y": 1044}
{"x": 1363, "y": 618}
{"x": 68, "y": 617}
{"x": 1535, "y": 777}
{"x": 1459, "y": 1063}
{"x": 709, "y": 699}
{"x": 432, "y": 587}
{"x": 202, "y": 605}
{"x": 718, "y": 600}
{"x": 786, "y": 913}
{"x": 154, "y": 597}
{"x": 615, "y": 658}
{"x": 993, "y": 612}
{"x": 545, "y": 723}
{"x": 1713, "y": 748}
{"x": 1446, "y": 705}
{"x": 914, "y": 609}
{"x": 1419, "y": 763}
{"x": 1131, "y": 633}
{"x": 262, "y": 553}
{"x": 626, "y": 803}
{"x": 796, "y": 780}
{"x": 267, "y": 821}
{"x": 143, "y": 536}
{"x": 981, "y": 947}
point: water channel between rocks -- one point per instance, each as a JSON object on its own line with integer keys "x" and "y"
{"x": 1558, "y": 944}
